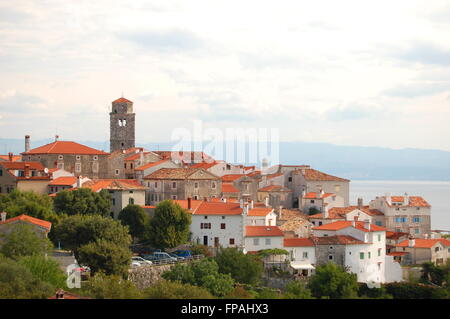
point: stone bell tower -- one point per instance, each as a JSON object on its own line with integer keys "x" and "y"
{"x": 122, "y": 125}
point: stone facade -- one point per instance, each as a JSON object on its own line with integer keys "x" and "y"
{"x": 122, "y": 125}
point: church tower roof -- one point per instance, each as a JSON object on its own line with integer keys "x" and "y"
{"x": 122, "y": 100}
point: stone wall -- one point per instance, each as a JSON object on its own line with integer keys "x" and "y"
{"x": 145, "y": 276}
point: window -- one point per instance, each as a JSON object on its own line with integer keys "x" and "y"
{"x": 417, "y": 231}
{"x": 290, "y": 179}
{"x": 60, "y": 157}
{"x": 337, "y": 188}
{"x": 312, "y": 201}
{"x": 268, "y": 241}
{"x": 131, "y": 201}
{"x": 174, "y": 185}
{"x": 95, "y": 157}
{"x": 416, "y": 220}
{"x": 196, "y": 197}
{"x": 205, "y": 217}
{"x": 117, "y": 172}
{"x": 368, "y": 255}
{"x": 330, "y": 257}
{"x": 196, "y": 185}
{"x": 361, "y": 255}
{"x": 231, "y": 241}
{"x": 113, "y": 201}
{"x": 125, "y": 165}
{"x": 1, "y": 172}
{"x": 95, "y": 167}
{"x": 205, "y": 226}
{"x": 314, "y": 223}
{"x": 60, "y": 165}
{"x": 379, "y": 251}
{"x": 331, "y": 247}
{"x": 174, "y": 197}
{"x": 305, "y": 255}
{"x": 131, "y": 165}
{"x": 228, "y": 166}
{"x": 78, "y": 167}
{"x": 213, "y": 185}
{"x": 379, "y": 237}
{"x": 436, "y": 249}
{"x": 320, "y": 223}
{"x": 223, "y": 217}
{"x": 378, "y": 223}
{"x": 130, "y": 192}
{"x": 256, "y": 241}
{"x": 78, "y": 157}
{"x": 222, "y": 226}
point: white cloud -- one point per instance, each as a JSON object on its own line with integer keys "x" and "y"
{"x": 323, "y": 71}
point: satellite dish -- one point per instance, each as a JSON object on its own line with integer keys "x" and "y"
{"x": 46, "y": 170}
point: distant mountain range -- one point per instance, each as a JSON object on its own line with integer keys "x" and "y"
{"x": 353, "y": 162}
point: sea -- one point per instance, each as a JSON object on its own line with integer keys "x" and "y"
{"x": 436, "y": 193}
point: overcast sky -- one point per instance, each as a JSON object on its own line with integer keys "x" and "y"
{"x": 374, "y": 73}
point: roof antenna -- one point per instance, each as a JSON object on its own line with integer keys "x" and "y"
{"x": 122, "y": 93}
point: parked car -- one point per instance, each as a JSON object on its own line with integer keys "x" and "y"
{"x": 183, "y": 253}
{"x": 160, "y": 257}
{"x": 176, "y": 256}
{"x": 140, "y": 260}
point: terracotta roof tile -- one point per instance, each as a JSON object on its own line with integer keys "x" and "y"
{"x": 274, "y": 188}
{"x": 144, "y": 167}
{"x": 122, "y": 100}
{"x": 298, "y": 242}
{"x": 337, "y": 240}
{"x": 113, "y": 184}
{"x": 65, "y": 147}
{"x": 315, "y": 175}
{"x": 64, "y": 181}
{"x": 340, "y": 212}
{"x": 425, "y": 243}
{"x": 179, "y": 173}
{"x": 414, "y": 201}
{"x": 263, "y": 231}
{"x": 344, "y": 224}
{"x": 231, "y": 177}
{"x": 260, "y": 211}
{"x": 229, "y": 188}
{"x": 218, "y": 208}
{"x": 36, "y": 221}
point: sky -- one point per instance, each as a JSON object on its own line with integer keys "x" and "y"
{"x": 369, "y": 73}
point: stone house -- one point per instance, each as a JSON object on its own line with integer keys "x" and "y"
{"x": 247, "y": 185}
{"x": 407, "y": 214}
{"x": 41, "y": 227}
{"x": 302, "y": 255}
{"x": 220, "y": 168}
{"x": 10, "y": 158}
{"x": 276, "y": 196}
{"x": 123, "y": 192}
{"x": 151, "y": 167}
{"x": 310, "y": 180}
{"x": 138, "y": 159}
{"x": 358, "y": 246}
{"x": 418, "y": 251}
{"x": 24, "y": 176}
{"x": 262, "y": 237}
{"x": 181, "y": 183}
{"x": 319, "y": 201}
{"x": 73, "y": 157}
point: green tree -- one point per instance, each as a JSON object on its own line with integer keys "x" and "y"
{"x": 243, "y": 268}
{"x": 106, "y": 256}
{"x": 17, "y": 282}
{"x": 175, "y": 290}
{"x": 24, "y": 241}
{"x": 297, "y": 290}
{"x": 267, "y": 293}
{"x": 203, "y": 273}
{"x": 200, "y": 250}
{"x": 334, "y": 282}
{"x": 170, "y": 225}
{"x": 101, "y": 286}
{"x": 29, "y": 203}
{"x": 435, "y": 274}
{"x": 135, "y": 218}
{"x": 45, "y": 269}
{"x": 83, "y": 201}
{"x": 78, "y": 230}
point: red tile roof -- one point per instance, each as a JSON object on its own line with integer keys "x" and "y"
{"x": 144, "y": 167}
{"x": 184, "y": 203}
{"x": 122, "y": 100}
{"x": 260, "y": 211}
{"x": 313, "y": 195}
{"x": 15, "y": 158}
{"x": 340, "y": 212}
{"x": 414, "y": 201}
{"x": 229, "y": 188}
{"x": 263, "y": 231}
{"x": 65, "y": 147}
{"x": 218, "y": 208}
{"x": 231, "y": 177}
{"x": 337, "y": 240}
{"x": 135, "y": 156}
{"x": 425, "y": 243}
{"x": 395, "y": 235}
{"x": 21, "y": 165}
{"x": 315, "y": 175}
{"x": 113, "y": 184}
{"x": 205, "y": 165}
{"x": 298, "y": 242}
{"x": 344, "y": 224}
{"x": 64, "y": 181}
{"x": 25, "y": 218}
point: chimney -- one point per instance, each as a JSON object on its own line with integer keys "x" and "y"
{"x": 266, "y": 201}
{"x": 304, "y": 193}
{"x": 406, "y": 200}
{"x": 27, "y": 143}
{"x": 224, "y": 200}
{"x": 10, "y": 156}
{"x": 141, "y": 156}
{"x": 241, "y": 203}
{"x": 360, "y": 203}
{"x": 26, "y": 172}
{"x": 280, "y": 209}
{"x": 388, "y": 198}
{"x": 325, "y": 212}
{"x": 79, "y": 183}
{"x": 355, "y": 219}
{"x": 425, "y": 236}
{"x": 2, "y": 216}
{"x": 245, "y": 210}
{"x": 367, "y": 224}
{"x": 189, "y": 202}
{"x": 251, "y": 204}
{"x": 56, "y": 138}
{"x": 411, "y": 242}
